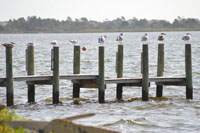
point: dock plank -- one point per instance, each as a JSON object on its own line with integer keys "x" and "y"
{"x": 167, "y": 79}
{"x": 123, "y": 80}
{"x": 49, "y": 77}
{"x": 37, "y": 79}
{"x": 160, "y": 80}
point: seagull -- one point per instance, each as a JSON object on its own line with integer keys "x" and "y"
{"x": 102, "y": 39}
{"x": 144, "y": 38}
{"x": 161, "y": 37}
{"x": 186, "y": 37}
{"x": 11, "y": 44}
{"x": 73, "y": 41}
{"x": 54, "y": 42}
{"x": 30, "y": 44}
{"x": 120, "y": 38}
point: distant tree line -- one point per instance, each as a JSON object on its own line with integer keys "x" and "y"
{"x": 35, "y": 24}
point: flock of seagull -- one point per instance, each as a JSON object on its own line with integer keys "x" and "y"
{"x": 144, "y": 38}
{"x": 161, "y": 37}
{"x": 119, "y": 39}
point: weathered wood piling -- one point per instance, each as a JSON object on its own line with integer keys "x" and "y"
{"x": 141, "y": 62}
{"x": 145, "y": 73}
{"x": 9, "y": 74}
{"x": 101, "y": 75}
{"x": 116, "y": 62}
{"x": 188, "y": 71}
{"x": 119, "y": 70}
{"x": 160, "y": 69}
{"x": 76, "y": 70}
{"x": 56, "y": 77}
{"x": 30, "y": 71}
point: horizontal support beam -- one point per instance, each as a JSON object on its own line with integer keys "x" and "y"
{"x": 90, "y": 81}
{"x": 131, "y": 84}
{"x": 3, "y": 84}
{"x": 138, "y": 81}
{"x": 171, "y": 83}
{"x": 49, "y": 77}
{"x": 167, "y": 79}
{"x": 42, "y": 82}
{"x": 86, "y": 83}
{"x": 123, "y": 80}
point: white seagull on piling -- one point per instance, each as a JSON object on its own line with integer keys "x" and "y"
{"x": 161, "y": 37}
{"x": 30, "y": 44}
{"x": 73, "y": 41}
{"x": 120, "y": 38}
{"x": 144, "y": 38}
{"x": 54, "y": 42}
{"x": 10, "y": 44}
{"x": 186, "y": 37}
{"x": 102, "y": 39}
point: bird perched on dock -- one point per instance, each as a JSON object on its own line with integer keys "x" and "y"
{"x": 10, "y": 44}
{"x": 54, "y": 42}
{"x": 144, "y": 38}
{"x": 120, "y": 38}
{"x": 30, "y": 44}
{"x": 161, "y": 37}
{"x": 186, "y": 37}
{"x": 102, "y": 39}
{"x": 73, "y": 41}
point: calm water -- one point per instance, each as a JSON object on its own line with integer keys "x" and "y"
{"x": 172, "y": 114}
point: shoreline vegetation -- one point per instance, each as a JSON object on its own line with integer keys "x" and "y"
{"x": 33, "y": 24}
{"x": 11, "y": 123}
{"x": 8, "y": 115}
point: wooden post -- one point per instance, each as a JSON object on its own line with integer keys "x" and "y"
{"x": 9, "y": 74}
{"x": 160, "y": 69}
{"x": 188, "y": 71}
{"x": 116, "y": 62}
{"x": 141, "y": 63}
{"x": 76, "y": 70}
{"x": 145, "y": 74}
{"x": 30, "y": 70}
{"x": 101, "y": 75}
{"x": 119, "y": 71}
{"x": 55, "y": 75}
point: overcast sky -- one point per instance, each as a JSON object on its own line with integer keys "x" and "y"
{"x": 100, "y": 9}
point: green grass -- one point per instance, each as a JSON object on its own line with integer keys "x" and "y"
{"x": 6, "y": 115}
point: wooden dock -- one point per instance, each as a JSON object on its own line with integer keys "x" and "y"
{"x": 95, "y": 81}
{"x": 47, "y": 79}
{"x": 179, "y": 81}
